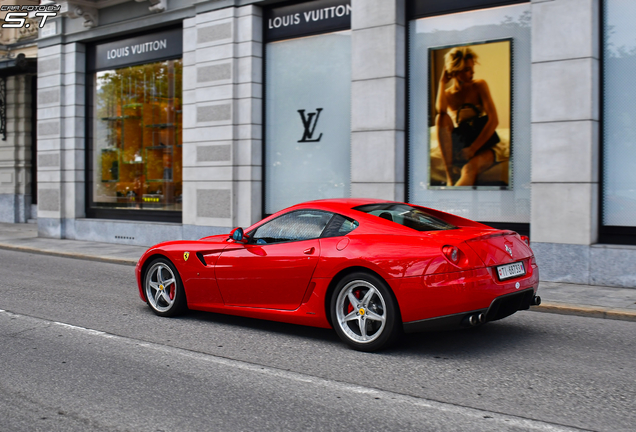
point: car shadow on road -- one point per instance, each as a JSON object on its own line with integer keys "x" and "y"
{"x": 487, "y": 340}
{"x": 254, "y": 324}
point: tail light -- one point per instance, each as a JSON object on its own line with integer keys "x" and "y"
{"x": 526, "y": 240}
{"x": 451, "y": 253}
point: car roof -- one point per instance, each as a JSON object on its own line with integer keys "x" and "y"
{"x": 338, "y": 204}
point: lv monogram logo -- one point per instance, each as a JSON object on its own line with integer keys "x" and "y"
{"x": 307, "y": 124}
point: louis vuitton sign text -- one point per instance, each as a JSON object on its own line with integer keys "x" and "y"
{"x": 307, "y": 18}
{"x": 136, "y": 50}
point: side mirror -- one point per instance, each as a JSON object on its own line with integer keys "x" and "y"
{"x": 238, "y": 236}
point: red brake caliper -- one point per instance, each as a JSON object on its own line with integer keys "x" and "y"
{"x": 350, "y": 307}
{"x": 172, "y": 290}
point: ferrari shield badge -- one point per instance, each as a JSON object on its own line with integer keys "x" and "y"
{"x": 509, "y": 250}
{"x": 186, "y": 255}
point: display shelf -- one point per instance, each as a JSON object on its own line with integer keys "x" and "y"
{"x": 161, "y": 125}
{"x": 124, "y": 117}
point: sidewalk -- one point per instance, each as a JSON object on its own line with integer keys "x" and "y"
{"x": 563, "y": 298}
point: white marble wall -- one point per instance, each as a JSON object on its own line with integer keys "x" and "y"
{"x": 222, "y": 126}
{"x": 61, "y": 139}
{"x": 378, "y": 95}
{"x": 566, "y": 142}
{"x": 565, "y": 121}
{"x": 15, "y": 152}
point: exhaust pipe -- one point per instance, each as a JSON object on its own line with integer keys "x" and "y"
{"x": 474, "y": 319}
{"x": 536, "y": 301}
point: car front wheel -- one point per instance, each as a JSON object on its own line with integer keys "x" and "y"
{"x": 364, "y": 312}
{"x": 163, "y": 288}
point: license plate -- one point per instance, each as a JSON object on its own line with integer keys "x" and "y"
{"x": 511, "y": 270}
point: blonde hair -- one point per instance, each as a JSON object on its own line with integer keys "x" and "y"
{"x": 455, "y": 59}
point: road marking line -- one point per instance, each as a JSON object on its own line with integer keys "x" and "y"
{"x": 507, "y": 419}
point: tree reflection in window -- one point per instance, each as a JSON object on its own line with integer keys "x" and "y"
{"x": 137, "y": 152}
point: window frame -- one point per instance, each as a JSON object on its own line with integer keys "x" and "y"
{"x": 607, "y": 234}
{"x": 414, "y": 10}
{"x": 170, "y": 216}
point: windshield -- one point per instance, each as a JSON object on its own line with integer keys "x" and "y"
{"x": 403, "y": 214}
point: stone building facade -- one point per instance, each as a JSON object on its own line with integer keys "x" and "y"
{"x": 18, "y": 59}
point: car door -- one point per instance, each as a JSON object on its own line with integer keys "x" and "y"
{"x": 274, "y": 268}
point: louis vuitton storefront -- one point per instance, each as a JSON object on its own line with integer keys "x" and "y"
{"x": 177, "y": 120}
{"x": 307, "y": 103}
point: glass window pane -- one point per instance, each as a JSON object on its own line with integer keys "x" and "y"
{"x": 308, "y": 119}
{"x": 619, "y": 114}
{"x": 501, "y": 39}
{"x": 409, "y": 216}
{"x": 339, "y": 226}
{"x": 136, "y": 145}
{"x": 294, "y": 226}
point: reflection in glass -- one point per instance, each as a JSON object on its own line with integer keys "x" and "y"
{"x": 308, "y": 119}
{"x": 137, "y": 161}
{"x": 619, "y": 114}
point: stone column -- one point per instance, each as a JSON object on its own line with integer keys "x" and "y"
{"x": 61, "y": 139}
{"x": 565, "y": 136}
{"x": 15, "y": 152}
{"x": 378, "y": 99}
{"x": 222, "y": 121}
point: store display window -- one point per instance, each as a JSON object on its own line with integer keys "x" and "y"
{"x": 469, "y": 123}
{"x": 618, "y": 218}
{"x": 136, "y": 135}
{"x": 307, "y": 150}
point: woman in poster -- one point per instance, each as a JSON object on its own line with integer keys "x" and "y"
{"x": 466, "y": 119}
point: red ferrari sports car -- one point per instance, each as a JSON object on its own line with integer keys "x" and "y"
{"x": 368, "y": 268}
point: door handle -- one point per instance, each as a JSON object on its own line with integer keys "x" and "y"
{"x": 309, "y": 251}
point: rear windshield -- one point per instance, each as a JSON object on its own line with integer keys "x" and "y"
{"x": 406, "y": 215}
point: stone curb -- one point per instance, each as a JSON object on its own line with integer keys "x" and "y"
{"x": 586, "y": 311}
{"x": 75, "y": 255}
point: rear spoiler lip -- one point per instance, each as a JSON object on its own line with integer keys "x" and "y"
{"x": 500, "y": 233}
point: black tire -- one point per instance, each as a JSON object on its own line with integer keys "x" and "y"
{"x": 163, "y": 289}
{"x": 364, "y": 312}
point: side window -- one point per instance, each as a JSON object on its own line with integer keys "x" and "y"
{"x": 293, "y": 226}
{"x": 339, "y": 226}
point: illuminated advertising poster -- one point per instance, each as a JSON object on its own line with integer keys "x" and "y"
{"x": 470, "y": 136}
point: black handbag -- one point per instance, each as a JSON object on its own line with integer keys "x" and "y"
{"x": 468, "y": 130}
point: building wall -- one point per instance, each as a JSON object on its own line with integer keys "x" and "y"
{"x": 60, "y": 134}
{"x": 15, "y": 152}
{"x": 378, "y": 99}
{"x": 222, "y": 128}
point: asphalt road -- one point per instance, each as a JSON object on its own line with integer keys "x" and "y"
{"x": 80, "y": 351}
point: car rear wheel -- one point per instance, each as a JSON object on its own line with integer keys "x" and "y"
{"x": 163, "y": 288}
{"x": 364, "y": 312}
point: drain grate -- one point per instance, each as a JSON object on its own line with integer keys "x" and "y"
{"x": 124, "y": 238}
